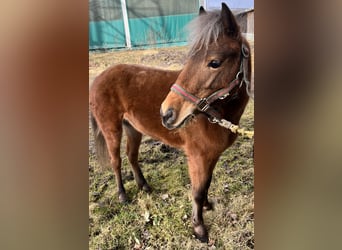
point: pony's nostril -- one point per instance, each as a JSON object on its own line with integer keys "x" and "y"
{"x": 169, "y": 116}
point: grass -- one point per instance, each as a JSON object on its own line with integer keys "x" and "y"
{"x": 161, "y": 220}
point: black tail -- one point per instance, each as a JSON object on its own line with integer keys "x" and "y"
{"x": 100, "y": 143}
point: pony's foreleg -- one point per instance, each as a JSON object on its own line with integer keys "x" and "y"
{"x": 200, "y": 171}
{"x": 132, "y": 150}
{"x": 207, "y": 205}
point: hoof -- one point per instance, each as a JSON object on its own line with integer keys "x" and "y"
{"x": 201, "y": 233}
{"x": 146, "y": 188}
{"x": 123, "y": 198}
{"x": 208, "y": 206}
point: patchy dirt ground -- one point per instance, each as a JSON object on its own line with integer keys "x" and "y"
{"x": 170, "y": 58}
{"x": 161, "y": 220}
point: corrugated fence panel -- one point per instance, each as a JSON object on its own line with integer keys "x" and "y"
{"x": 106, "y": 34}
{"x": 153, "y": 8}
{"x": 159, "y": 30}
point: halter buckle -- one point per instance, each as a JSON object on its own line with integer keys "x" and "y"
{"x": 203, "y": 105}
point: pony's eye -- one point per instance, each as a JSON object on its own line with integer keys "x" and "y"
{"x": 214, "y": 64}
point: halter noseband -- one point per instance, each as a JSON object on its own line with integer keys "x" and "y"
{"x": 203, "y": 104}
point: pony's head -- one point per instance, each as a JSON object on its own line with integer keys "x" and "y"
{"x": 215, "y": 60}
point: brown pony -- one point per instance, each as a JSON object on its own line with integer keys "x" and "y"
{"x": 213, "y": 85}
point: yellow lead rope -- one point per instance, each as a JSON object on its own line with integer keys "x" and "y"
{"x": 234, "y": 128}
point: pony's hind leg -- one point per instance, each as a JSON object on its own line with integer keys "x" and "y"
{"x": 113, "y": 143}
{"x": 132, "y": 150}
{"x": 111, "y": 128}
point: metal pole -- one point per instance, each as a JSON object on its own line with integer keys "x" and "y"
{"x": 126, "y": 26}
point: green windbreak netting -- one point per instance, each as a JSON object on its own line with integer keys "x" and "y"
{"x": 151, "y": 22}
{"x": 104, "y": 10}
{"x": 153, "y": 8}
{"x": 106, "y": 29}
{"x": 159, "y": 30}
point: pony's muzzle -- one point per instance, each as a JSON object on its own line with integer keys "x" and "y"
{"x": 168, "y": 118}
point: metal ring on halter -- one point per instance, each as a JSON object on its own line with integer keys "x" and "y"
{"x": 239, "y": 75}
{"x": 224, "y": 96}
{"x": 213, "y": 120}
{"x": 245, "y": 51}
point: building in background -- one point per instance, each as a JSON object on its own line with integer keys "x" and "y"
{"x": 232, "y": 4}
{"x": 243, "y": 8}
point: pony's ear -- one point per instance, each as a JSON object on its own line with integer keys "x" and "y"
{"x": 202, "y": 11}
{"x": 229, "y": 22}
